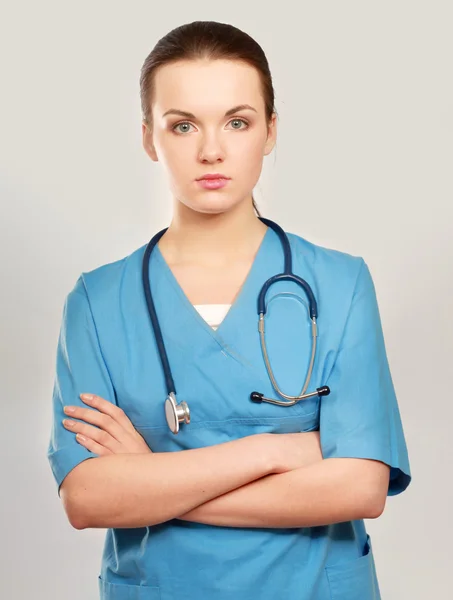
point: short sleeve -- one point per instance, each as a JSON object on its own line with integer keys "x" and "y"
{"x": 80, "y": 368}
{"x": 360, "y": 418}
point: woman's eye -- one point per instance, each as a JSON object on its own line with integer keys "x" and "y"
{"x": 181, "y": 125}
{"x": 239, "y": 121}
{"x": 186, "y": 125}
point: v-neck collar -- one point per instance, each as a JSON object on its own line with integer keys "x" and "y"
{"x": 241, "y": 296}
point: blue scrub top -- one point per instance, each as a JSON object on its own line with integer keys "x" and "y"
{"x": 107, "y": 347}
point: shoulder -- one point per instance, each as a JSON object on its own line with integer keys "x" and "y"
{"x": 339, "y": 280}
{"x": 104, "y": 281}
{"x": 326, "y": 264}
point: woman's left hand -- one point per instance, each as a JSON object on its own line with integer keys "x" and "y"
{"x": 114, "y": 432}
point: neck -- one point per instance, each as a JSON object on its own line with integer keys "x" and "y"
{"x": 212, "y": 239}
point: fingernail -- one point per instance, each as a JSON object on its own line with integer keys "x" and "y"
{"x": 87, "y": 396}
{"x": 68, "y": 422}
{"x": 69, "y": 409}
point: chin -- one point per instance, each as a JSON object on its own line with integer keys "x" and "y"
{"x": 212, "y": 205}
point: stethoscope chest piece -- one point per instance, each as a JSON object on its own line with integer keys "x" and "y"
{"x": 176, "y": 413}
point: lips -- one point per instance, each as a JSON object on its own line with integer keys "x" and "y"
{"x": 210, "y": 176}
{"x": 215, "y": 183}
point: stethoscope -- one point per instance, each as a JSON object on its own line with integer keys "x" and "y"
{"x": 177, "y": 413}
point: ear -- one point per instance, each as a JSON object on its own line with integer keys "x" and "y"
{"x": 147, "y": 137}
{"x": 271, "y": 135}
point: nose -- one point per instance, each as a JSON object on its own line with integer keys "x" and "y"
{"x": 211, "y": 149}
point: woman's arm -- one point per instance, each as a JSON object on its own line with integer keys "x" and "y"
{"x": 135, "y": 490}
{"x": 327, "y": 491}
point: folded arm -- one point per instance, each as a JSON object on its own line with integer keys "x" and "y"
{"x": 327, "y": 491}
{"x": 136, "y": 490}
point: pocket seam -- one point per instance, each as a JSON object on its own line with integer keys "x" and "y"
{"x": 240, "y": 421}
{"x": 338, "y": 573}
{"x": 109, "y": 589}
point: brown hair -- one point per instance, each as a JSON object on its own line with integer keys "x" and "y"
{"x": 211, "y": 40}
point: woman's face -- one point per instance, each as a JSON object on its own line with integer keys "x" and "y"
{"x": 209, "y": 140}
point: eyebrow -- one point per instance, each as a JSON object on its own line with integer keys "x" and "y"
{"x": 190, "y": 115}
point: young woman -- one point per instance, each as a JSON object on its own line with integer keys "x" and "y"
{"x": 216, "y": 492}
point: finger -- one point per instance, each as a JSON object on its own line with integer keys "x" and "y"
{"x": 108, "y": 408}
{"x": 99, "y": 436}
{"x": 100, "y": 419}
{"x": 92, "y": 446}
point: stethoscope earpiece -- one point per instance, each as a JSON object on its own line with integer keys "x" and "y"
{"x": 323, "y": 391}
{"x": 258, "y": 397}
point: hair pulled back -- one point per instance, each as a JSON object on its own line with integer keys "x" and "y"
{"x": 205, "y": 40}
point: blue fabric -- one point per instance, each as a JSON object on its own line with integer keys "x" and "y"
{"x": 362, "y": 418}
{"x": 107, "y": 347}
{"x": 80, "y": 367}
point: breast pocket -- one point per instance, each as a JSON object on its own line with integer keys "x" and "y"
{"x": 354, "y": 579}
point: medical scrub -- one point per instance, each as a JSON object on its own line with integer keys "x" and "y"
{"x": 107, "y": 347}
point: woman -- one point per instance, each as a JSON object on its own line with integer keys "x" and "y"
{"x": 224, "y": 507}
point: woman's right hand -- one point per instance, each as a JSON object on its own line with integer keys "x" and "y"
{"x": 295, "y": 450}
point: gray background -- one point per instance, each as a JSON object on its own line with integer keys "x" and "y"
{"x": 363, "y": 164}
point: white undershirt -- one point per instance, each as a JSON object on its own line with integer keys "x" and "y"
{"x": 213, "y": 314}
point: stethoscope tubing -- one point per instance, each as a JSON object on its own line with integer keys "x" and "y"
{"x": 177, "y": 413}
{"x": 169, "y": 382}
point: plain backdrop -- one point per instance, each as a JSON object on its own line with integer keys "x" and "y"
{"x": 363, "y": 164}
